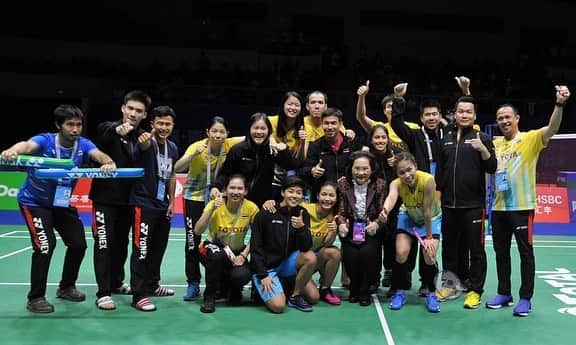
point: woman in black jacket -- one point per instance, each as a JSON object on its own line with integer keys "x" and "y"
{"x": 254, "y": 158}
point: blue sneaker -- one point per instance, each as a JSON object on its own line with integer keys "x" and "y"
{"x": 432, "y": 303}
{"x": 523, "y": 308}
{"x": 398, "y": 300}
{"x": 500, "y": 301}
{"x": 192, "y": 292}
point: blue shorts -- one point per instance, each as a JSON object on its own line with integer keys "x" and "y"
{"x": 287, "y": 268}
{"x": 406, "y": 224}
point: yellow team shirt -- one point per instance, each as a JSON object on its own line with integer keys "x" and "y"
{"x": 393, "y": 138}
{"x": 231, "y": 228}
{"x": 414, "y": 201}
{"x": 517, "y": 158}
{"x": 314, "y": 133}
{"x": 195, "y": 186}
{"x": 318, "y": 226}
{"x": 292, "y": 143}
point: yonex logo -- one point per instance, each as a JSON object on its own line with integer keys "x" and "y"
{"x": 92, "y": 174}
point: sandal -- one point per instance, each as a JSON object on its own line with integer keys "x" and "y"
{"x": 105, "y": 303}
{"x": 144, "y": 305}
{"x": 163, "y": 291}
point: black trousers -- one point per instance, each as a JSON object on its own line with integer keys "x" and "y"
{"x": 362, "y": 262}
{"x": 111, "y": 229}
{"x": 464, "y": 227}
{"x": 149, "y": 241}
{"x": 41, "y": 222}
{"x": 520, "y": 224}
{"x": 221, "y": 273}
{"x": 192, "y": 212}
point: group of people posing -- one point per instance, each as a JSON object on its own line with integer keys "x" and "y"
{"x": 295, "y": 183}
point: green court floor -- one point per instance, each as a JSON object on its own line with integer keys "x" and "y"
{"x": 177, "y": 322}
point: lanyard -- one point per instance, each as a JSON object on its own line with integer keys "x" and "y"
{"x": 162, "y": 173}
{"x": 58, "y": 147}
{"x": 64, "y": 182}
{"x": 209, "y": 171}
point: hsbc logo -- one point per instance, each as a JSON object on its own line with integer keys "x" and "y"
{"x": 7, "y": 191}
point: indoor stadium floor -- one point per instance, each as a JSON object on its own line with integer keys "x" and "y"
{"x": 178, "y": 322}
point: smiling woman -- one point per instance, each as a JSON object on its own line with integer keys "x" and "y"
{"x": 224, "y": 254}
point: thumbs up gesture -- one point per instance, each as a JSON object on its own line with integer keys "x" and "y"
{"x": 464, "y": 84}
{"x": 302, "y": 133}
{"x": 297, "y": 222}
{"x": 363, "y": 89}
{"x": 317, "y": 170}
{"x": 477, "y": 143}
{"x": 201, "y": 148}
{"x": 400, "y": 89}
{"x": 219, "y": 200}
{"x": 145, "y": 137}
{"x": 343, "y": 228}
{"x": 391, "y": 159}
{"x": 124, "y": 129}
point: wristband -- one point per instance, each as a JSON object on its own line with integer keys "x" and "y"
{"x": 559, "y": 104}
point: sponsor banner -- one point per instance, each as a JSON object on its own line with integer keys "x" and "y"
{"x": 80, "y": 200}
{"x": 552, "y": 205}
{"x": 10, "y": 183}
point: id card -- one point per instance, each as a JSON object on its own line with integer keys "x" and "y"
{"x": 501, "y": 181}
{"x": 359, "y": 232}
{"x": 161, "y": 190}
{"x": 62, "y": 196}
{"x": 433, "y": 168}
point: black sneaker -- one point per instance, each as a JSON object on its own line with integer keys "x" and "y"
{"x": 300, "y": 303}
{"x": 387, "y": 281}
{"x": 70, "y": 294}
{"x": 40, "y": 305}
{"x": 365, "y": 301}
{"x": 209, "y": 304}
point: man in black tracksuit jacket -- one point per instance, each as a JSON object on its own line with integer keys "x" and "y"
{"x": 466, "y": 156}
{"x": 328, "y": 157}
{"x": 280, "y": 246}
{"x": 112, "y": 215}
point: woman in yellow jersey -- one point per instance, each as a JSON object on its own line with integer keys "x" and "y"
{"x": 203, "y": 160}
{"x": 421, "y": 220}
{"x": 323, "y": 229}
{"x": 288, "y": 128}
{"x": 224, "y": 254}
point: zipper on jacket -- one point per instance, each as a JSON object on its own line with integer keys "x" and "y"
{"x": 454, "y": 172}
{"x": 255, "y": 172}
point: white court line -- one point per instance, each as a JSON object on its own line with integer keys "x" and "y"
{"x": 383, "y": 323}
{"x": 9, "y": 233}
{"x": 14, "y": 253}
{"x": 89, "y": 284}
